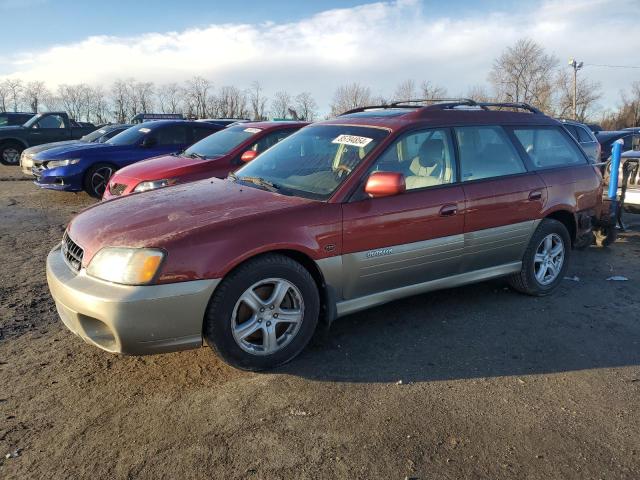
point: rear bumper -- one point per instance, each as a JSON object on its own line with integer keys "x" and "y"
{"x": 131, "y": 320}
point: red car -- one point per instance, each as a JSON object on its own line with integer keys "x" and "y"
{"x": 373, "y": 206}
{"x": 213, "y": 156}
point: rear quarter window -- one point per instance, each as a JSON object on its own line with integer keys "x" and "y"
{"x": 549, "y": 147}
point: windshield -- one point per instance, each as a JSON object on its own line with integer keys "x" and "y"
{"x": 93, "y": 136}
{"x": 315, "y": 161}
{"x": 221, "y": 142}
{"x": 131, "y": 136}
{"x": 3, "y": 121}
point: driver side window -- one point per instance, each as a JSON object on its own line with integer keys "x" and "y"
{"x": 50, "y": 121}
{"x": 424, "y": 157}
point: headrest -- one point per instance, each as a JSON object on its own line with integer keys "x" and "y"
{"x": 430, "y": 152}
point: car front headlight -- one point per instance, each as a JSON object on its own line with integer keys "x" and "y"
{"x": 128, "y": 266}
{"x": 62, "y": 163}
{"x": 153, "y": 184}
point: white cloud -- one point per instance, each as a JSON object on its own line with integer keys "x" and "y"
{"x": 378, "y": 44}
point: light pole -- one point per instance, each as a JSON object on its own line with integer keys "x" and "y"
{"x": 576, "y": 66}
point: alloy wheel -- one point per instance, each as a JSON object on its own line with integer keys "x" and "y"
{"x": 267, "y": 316}
{"x": 11, "y": 156}
{"x": 549, "y": 259}
{"x": 99, "y": 180}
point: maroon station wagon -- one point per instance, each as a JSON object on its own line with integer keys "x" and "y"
{"x": 343, "y": 215}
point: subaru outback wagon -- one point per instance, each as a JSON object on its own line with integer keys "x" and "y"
{"x": 343, "y": 215}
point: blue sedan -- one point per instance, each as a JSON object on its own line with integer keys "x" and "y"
{"x": 88, "y": 167}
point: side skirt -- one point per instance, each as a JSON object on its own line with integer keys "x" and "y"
{"x": 357, "y": 304}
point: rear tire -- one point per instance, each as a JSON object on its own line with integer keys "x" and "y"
{"x": 545, "y": 260}
{"x": 10, "y": 153}
{"x": 263, "y": 314}
{"x": 96, "y": 179}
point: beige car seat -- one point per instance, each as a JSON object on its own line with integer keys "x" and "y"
{"x": 429, "y": 168}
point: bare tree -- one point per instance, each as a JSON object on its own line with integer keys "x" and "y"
{"x": 524, "y": 73}
{"x": 74, "y": 99}
{"x": 170, "y": 98}
{"x": 406, "y": 90}
{"x": 34, "y": 93}
{"x": 4, "y": 96}
{"x": 429, "y": 90}
{"x": 587, "y": 95}
{"x": 306, "y": 106}
{"x": 14, "y": 88}
{"x": 258, "y": 101}
{"x": 120, "y": 100}
{"x": 281, "y": 104}
{"x": 142, "y": 96}
{"x": 347, "y": 97}
{"x": 198, "y": 96}
{"x": 232, "y": 103}
{"x": 478, "y": 93}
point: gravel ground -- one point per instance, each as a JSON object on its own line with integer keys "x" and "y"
{"x": 474, "y": 382}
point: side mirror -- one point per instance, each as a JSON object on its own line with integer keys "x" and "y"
{"x": 149, "y": 142}
{"x": 248, "y": 156}
{"x": 385, "y": 184}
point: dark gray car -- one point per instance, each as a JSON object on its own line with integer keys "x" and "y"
{"x": 585, "y": 138}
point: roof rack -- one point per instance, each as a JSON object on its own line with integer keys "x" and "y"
{"x": 444, "y": 104}
{"x": 484, "y": 105}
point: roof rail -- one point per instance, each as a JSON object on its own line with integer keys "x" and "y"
{"x": 486, "y": 105}
{"x": 461, "y": 101}
{"x": 410, "y": 104}
{"x": 445, "y": 104}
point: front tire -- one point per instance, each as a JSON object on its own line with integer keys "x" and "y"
{"x": 545, "y": 260}
{"x": 263, "y": 314}
{"x": 96, "y": 179}
{"x": 10, "y": 153}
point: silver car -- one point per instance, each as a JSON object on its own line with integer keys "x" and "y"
{"x": 585, "y": 137}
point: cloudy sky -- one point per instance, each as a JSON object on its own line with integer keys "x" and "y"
{"x": 313, "y": 46}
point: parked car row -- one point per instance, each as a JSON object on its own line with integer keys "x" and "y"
{"x": 39, "y": 129}
{"x": 339, "y": 216}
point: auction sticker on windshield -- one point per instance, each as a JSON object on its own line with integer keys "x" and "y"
{"x": 144, "y": 130}
{"x": 252, "y": 130}
{"x": 352, "y": 140}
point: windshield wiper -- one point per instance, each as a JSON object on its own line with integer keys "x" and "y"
{"x": 197, "y": 155}
{"x": 261, "y": 182}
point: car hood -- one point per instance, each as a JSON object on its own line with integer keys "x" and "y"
{"x": 48, "y": 146}
{"x": 78, "y": 150}
{"x": 631, "y": 154}
{"x": 160, "y": 218}
{"x": 166, "y": 166}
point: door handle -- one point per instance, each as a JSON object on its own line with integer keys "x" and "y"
{"x": 448, "y": 210}
{"x": 535, "y": 195}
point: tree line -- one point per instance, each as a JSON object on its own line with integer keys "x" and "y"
{"x": 523, "y": 72}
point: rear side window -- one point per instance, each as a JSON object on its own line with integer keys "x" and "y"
{"x": 201, "y": 132}
{"x": 584, "y": 136}
{"x": 172, "y": 135}
{"x": 548, "y": 147}
{"x": 486, "y": 152}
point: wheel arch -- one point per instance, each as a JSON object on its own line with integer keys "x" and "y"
{"x": 568, "y": 219}
{"x": 328, "y": 309}
{"x": 14, "y": 140}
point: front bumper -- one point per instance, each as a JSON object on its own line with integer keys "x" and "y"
{"x": 131, "y": 320}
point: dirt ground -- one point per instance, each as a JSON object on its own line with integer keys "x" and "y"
{"x": 474, "y": 382}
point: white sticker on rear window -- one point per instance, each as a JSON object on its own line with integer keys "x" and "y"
{"x": 252, "y": 130}
{"x": 353, "y": 140}
{"x": 144, "y": 130}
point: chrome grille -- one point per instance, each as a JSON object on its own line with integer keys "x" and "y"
{"x": 71, "y": 252}
{"x": 117, "y": 188}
